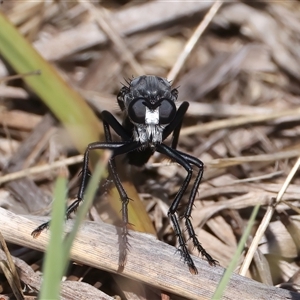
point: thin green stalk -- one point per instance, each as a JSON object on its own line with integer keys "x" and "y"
{"x": 58, "y": 250}
{"x": 226, "y": 277}
{"x": 53, "y": 264}
{"x": 66, "y": 104}
{"x": 82, "y": 211}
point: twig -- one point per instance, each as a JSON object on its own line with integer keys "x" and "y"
{"x": 149, "y": 260}
{"x": 266, "y": 220}
{"x": 18, "y": 76}
{"x": 239, "y": 121}
{"x": 193, "y": 40}
{"x": 233, "y": 161}
{"x": 40, "y": 169}
{"x": 101, "y": 17}
{"x": 10, "y": 271}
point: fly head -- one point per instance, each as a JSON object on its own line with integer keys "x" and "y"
{"x": 149, "y": 103}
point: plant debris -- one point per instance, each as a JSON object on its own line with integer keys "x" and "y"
{"x": 241, "y": 79}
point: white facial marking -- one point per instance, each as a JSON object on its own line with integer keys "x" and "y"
{"x": 152, "y": 116}
{"x": 150, "y": 132}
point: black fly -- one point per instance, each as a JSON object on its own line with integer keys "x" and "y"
{"x": 150, "y": 117}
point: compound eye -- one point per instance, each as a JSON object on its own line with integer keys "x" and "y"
{"x": 137, "y": 111}
{"x": 167, "y": 111}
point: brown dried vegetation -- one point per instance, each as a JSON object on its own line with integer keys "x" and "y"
{"x": 242, "y": 82}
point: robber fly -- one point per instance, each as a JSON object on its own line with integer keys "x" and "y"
{"x": 150, "y": 117}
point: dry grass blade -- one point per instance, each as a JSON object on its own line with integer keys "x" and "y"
{"x": 19, "y": 76}
{"x": 266, "y": 220}
{"x": 293, "y": 207}
{"x": 225, "y": 110}
{"x": 10, "y": 271}
{"x": 102, "y": 17}
{"x": 69, "y": 289}
{"x": 193, "y": 40}
{"x": 149, "y": 260}
{"x": 239, "y": 202}
{"x": 41, "y": 169}
{"x": 127, "y": 21}
{"x": 227, "y": 162}
{"x": 240, "y": 121}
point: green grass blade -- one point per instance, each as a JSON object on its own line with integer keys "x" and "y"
{"x": 226, "y": 277}
{"x": 86, "y": 204}
{"x": 65, "y": 103}
{"x": 53, "y": 264}
{"x": 58, "y": 250}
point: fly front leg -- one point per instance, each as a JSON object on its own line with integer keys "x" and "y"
{"x": 84, "y": 179}
{"x": 110, "y": 121}
{"x": 123, "y": 238}
{"x": 187, "y": 214}
{"x": 172, "y": 213}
